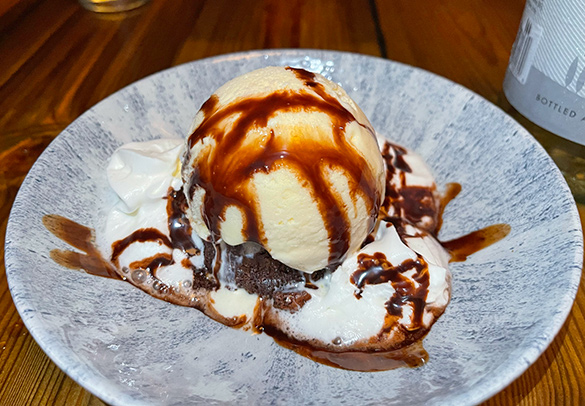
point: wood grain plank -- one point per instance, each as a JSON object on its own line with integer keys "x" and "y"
{"x": 248, "y": 25}
{"x": 82, "y": 57}
{"x": 31, "y": 39}
{"x": 467, "y": 42}
{"x": 58, "y": 60}
{"x": 11, "y": 329}
{"x": 34, "y": 80}
{"x": 29, "y": 365}
{"x": 131, "y": 56}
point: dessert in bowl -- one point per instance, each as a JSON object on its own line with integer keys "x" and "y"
{"x": 108, "y": 335}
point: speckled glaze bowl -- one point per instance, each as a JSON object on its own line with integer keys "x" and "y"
{"x": 509, "y": 300}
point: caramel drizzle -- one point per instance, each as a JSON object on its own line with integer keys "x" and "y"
{"x": 227, "y": 169}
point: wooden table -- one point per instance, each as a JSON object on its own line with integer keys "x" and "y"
{"x": 57, "y": 60}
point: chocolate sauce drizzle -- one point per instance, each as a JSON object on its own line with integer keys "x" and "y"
{"x": 141, "y": 235}
{"x": 179, "y": 225}
{"x": 411, "y": 356}
{"x": 180, "y": 231}
{"x": 225, "y": 171}
{"x": 410, "y": 203}
{"x": 462, "y": 247}
{"x": 82, "y": 238}
{"x": 375, "y": 269}
{"x": 424, "y": 207}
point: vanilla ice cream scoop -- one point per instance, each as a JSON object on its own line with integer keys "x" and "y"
{"x": 284, "y": 158}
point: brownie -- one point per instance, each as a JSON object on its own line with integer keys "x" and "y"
{"x": 257, "y": 273}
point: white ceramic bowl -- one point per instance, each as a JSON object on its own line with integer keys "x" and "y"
{"x": 509, "y": 300}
